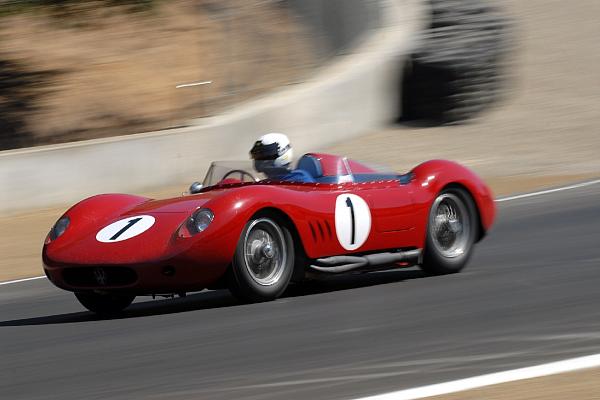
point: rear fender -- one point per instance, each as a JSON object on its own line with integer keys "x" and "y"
{"x": 431, "y": 177}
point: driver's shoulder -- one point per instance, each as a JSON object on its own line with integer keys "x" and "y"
{"x": 299, "y": 174}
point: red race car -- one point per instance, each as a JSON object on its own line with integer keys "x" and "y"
{"x": 256, "y": 235}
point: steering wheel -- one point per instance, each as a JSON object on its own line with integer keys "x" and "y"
{"x": 242, "y": 174}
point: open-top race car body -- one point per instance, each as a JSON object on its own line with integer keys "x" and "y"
{"x": 255, "y": 235}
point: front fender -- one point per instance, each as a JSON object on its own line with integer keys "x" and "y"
{"x": 95, "y": 210}
{"x": 233, "y": 210}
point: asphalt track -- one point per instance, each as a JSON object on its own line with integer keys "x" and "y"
{"x": 530, "y": 295}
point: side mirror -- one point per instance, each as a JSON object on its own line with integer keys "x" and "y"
{"x": 195, "y": 187}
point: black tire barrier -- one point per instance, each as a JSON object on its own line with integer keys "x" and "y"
{"x": 458, "y": 69}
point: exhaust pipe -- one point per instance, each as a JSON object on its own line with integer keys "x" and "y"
{"x": 341, "y": 264}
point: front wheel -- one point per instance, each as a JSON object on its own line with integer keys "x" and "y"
{"x": 263, "y": 262}
{"x": 104, "y": 303}
{"x": 451, "y": 232}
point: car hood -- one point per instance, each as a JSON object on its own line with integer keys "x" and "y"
{"x": 183, "y": 204}
{"x": 82, "y": 243}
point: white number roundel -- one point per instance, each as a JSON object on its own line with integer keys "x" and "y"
{"x": 352, "y": 221}
{"x": 125, "y": 229}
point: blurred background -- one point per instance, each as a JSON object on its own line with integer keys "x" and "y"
{"x": 138, "y": 96}
{"x": 82, "y": 69}
{"x": 75, "y": 70}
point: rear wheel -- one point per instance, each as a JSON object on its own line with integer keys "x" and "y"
{"x": 451, "y": 232}
{"x": 104, "y": 303}
{"x": 263, "y": 261}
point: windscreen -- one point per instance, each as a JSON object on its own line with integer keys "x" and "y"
{"x": 224, "y": 172}
{"x": 324, "y": 169}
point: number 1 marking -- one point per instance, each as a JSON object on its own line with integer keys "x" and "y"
{"x": 351, "y": 206}
{"x": 131, "y": 223}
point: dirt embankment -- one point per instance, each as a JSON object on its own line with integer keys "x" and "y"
{"x": 96, "y": 69}
{"x": 581, "y": 385}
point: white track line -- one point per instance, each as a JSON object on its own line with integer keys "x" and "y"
{"x": 520, "y": 196}
{"x": 184, "y": 85}
{"x": 559, "y": 189}
{"x": 460, "y": 385}
{"x": 22, "y": 280}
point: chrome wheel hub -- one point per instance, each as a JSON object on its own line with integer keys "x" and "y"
{"x": 267, "y": 250}
{"x": 265, "y": 255}
{"x": 450, "y": 225}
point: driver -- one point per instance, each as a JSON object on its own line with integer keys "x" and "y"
{"x": 272, "y": 155}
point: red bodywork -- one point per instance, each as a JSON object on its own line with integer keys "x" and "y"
{"x": 399, "y": 212}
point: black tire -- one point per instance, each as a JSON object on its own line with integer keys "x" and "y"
{"x": 449, "y": 244}
{"x": 245, "y": 278}
{"x": 106, "y": 303}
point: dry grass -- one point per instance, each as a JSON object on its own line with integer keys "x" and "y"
{"x": 115, "y": 72}
{"x": 582, "y": 385}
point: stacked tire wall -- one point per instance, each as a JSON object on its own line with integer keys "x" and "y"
{"x": 459, "y": 67}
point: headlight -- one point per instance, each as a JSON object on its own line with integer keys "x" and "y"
{"x": 198, "y": 222}
{"x": 59, "y": 228}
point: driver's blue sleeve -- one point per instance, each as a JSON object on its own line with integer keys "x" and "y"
{"x": 298, "y": 175}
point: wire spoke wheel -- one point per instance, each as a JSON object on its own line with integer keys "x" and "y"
{"x": 451, "y": 232}
{"x": 263, "y": 263}
{"x": 450, "y": 225}
{"x": 265, "y": 255}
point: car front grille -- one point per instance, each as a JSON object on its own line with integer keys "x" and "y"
{"x": 99, "y": 276}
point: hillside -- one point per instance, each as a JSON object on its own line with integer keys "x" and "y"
{"x": 93, "y": 69}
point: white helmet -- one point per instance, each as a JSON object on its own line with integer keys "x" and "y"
{"x": 272, "y": 150}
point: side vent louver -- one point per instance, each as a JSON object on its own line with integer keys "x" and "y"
{"x": 328, "y": 229}
{"x": 320, "y": 230}
{"x": 312, "y": 230}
